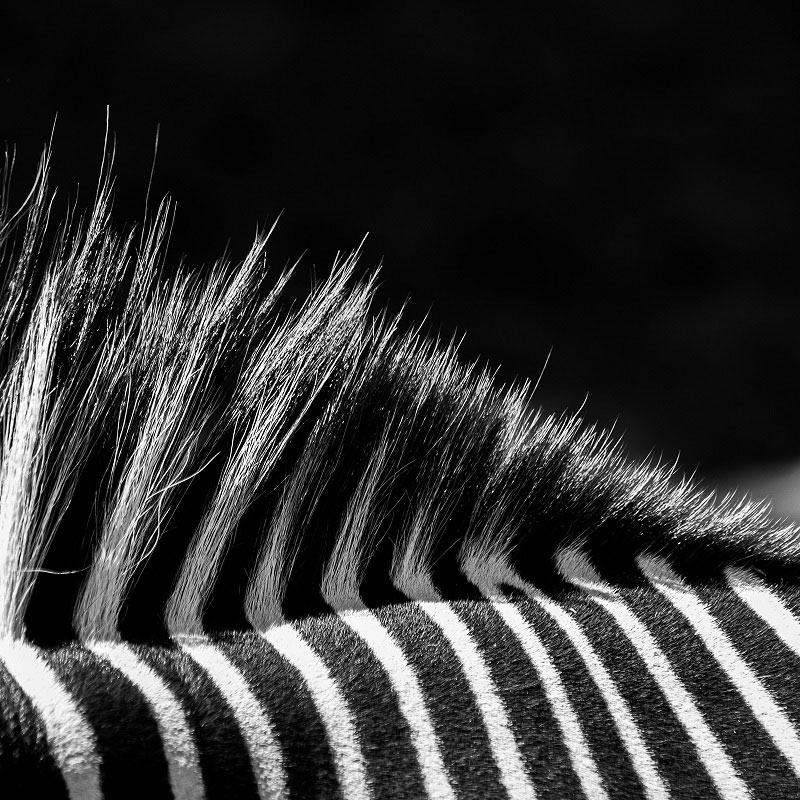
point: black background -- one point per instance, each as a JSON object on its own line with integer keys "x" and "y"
{"x": 615, "y": 181}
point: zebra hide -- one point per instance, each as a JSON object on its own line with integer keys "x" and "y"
{"x": 255, "y": 549}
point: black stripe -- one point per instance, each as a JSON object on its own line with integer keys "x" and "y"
{"x": 392, "y": 766}
{"x": 26, "y": 767}
{"x": 752, "y": 751}
{"x": 224, "y": 761}
{"x": 611, "y": 758}
{"x": 668, "y": 742}
{"x": 307, "y": 759}
{"x": 454, "y": 713}
{"x": 128, "y": 741}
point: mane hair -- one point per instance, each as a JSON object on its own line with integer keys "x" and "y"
{"x": 182, "y": 452}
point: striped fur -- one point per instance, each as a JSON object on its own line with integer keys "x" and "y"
{"x": 255, "y": 549}
{"x": 619, "y": 697}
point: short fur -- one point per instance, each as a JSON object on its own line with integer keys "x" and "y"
{"x": 180, "y": 452}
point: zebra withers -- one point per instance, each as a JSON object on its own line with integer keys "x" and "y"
{"x": 256, "y": 550}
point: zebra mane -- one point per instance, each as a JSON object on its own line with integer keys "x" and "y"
{"x": 181, "y": 451}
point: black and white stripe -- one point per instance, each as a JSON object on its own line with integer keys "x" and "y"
{"x": 469, "y": 698}
{"x": 258, "y": 549}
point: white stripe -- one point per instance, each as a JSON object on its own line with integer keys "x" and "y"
{"x": 641, "y": 759}
{"x": 410, "y": 699}
{"x": 259, "y": 738}
{"x": 767, "y": 605}
{"x": 579, "y": 753}
{"x": 183, "y": 763}
{"x": 762, "y": 704}
{"x": 504, "y": 747}
{"x": 70, "y": 738}
{"x": 576, "y": 569}
{"x": 332, "y": 708}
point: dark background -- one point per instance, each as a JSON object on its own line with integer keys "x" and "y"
{"x": 616, "y": 182}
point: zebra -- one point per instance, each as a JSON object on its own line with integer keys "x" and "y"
{"x": 256, "y": 549}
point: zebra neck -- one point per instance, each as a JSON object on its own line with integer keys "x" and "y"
{"x": 657, "y": 686}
